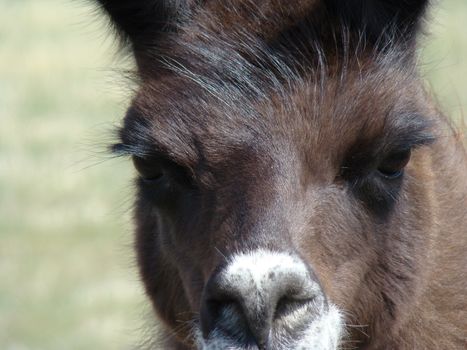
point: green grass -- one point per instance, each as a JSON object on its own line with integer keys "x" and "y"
{"x": 445, "y": 56}
{"x": 67, "y": 278}
{"x": 66, "y": 273}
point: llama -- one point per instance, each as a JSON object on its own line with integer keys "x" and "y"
{"x": 297, "y": 187}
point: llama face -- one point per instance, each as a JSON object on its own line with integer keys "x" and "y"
{"x": 279, "y": 193}
{"x": 313, "y": 182}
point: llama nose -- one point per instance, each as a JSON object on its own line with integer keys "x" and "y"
{"x": 260, "y": 294}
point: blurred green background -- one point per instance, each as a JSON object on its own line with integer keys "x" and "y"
{"x": 67, "y": 276}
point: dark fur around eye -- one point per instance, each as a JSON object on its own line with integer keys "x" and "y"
{"x": 379, "y": 193}
{"x": 377, "y": 182}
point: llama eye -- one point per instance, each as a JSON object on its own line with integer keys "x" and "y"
{"x": 148, "y": 170}
{"x": 392, "y": 167}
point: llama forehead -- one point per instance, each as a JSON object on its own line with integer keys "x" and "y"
{"x": 212, "y": 94}
{"x": 217, "y": 119}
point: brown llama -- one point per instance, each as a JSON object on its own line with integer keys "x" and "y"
{"x": 297, "y": 188}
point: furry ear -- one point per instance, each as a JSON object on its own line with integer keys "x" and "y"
{"x": 143, "y": 22}
{"x": 380, "y": 19}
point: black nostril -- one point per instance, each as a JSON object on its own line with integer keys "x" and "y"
{"x": 218, "y": 307}
{"x": 226, "y": 316}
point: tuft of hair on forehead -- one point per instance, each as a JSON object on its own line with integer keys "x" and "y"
{"x": 224, "y": 91}
{"x": 145, "y": 24}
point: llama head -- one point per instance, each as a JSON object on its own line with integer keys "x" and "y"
{"x": 280, "y": 152}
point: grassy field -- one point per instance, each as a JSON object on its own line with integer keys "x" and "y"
{"x": 67, "y": 277}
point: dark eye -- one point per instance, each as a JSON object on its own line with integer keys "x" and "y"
{"x": 162, "y": 172}
{"x": 392, "y": 167}
{"x": 162, "y": 182}
{"x": 148, "y": 170}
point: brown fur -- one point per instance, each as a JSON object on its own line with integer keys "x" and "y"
{"x": 272, "y": 119}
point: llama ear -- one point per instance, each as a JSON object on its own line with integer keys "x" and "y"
{"x": 380, "y": 19}
{"x": 144, "y": 22}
